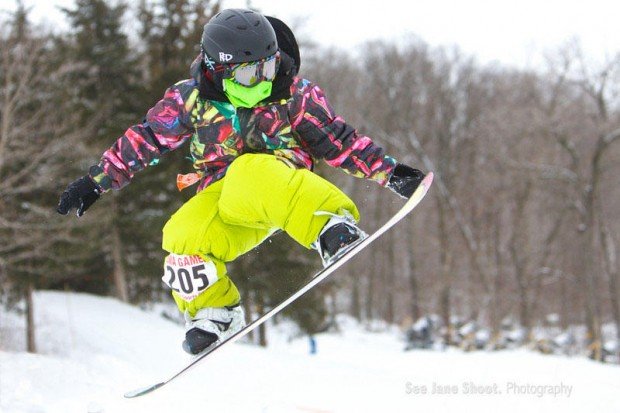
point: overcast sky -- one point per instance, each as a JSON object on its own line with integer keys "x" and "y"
{"x": 510, "y": 32}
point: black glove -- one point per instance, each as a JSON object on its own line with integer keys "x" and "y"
{"x": 405, "y": 180}
{"x": 80, "y": 194}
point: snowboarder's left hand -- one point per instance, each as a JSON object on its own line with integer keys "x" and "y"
{"x": 80, "y": 194}
{"x": 405, "y": 180}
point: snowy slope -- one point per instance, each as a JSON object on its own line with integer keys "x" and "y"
{"x": 94, "y": 349}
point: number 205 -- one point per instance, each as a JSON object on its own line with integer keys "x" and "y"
{"x": 187, "y": 279}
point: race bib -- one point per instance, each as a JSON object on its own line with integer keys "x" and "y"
{"x": 188, "y": 275}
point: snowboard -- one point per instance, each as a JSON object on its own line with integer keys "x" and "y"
{"x": 411, "y": 203}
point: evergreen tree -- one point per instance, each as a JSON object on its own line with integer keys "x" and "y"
{"x": 105, "y": 89}
{"x": 36, "y": 135}
{"x": 170, "y": 33}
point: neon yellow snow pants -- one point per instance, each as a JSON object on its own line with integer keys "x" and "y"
{"x": 259, "y": 195}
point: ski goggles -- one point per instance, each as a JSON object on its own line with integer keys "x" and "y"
{"x": 247, "y": 73}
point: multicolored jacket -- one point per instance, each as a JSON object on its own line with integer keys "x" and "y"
{"x": 298, "y": 130}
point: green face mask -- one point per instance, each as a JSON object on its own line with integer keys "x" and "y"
{"x": 246, "y": 97}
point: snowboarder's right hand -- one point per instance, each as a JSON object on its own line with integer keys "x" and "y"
{"x": 80, "y": 194}
{"x": 405, "y": 180}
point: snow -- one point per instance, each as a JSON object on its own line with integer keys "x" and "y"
{"x": 94, "y": 349}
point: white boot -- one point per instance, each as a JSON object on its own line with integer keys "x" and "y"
{"x": 211, "y": 325}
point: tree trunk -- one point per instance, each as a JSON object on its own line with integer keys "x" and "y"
{"x": 262, "y": 329}
{"x": 592, "y": 216}
{"x": 333, "y": 307}
{"x": 382, "y": 271}
{"x": 446, "y": 276}
{"x": 565, "y": 302}
{"x": 411, "y": 276}
{"x": 374, "y": 272}
{"x": 495, "y": 317}
{"x": 522, "y": 285}
{"x": 593, "y": 322}
{"x": 391, "y": 271}
{"x": 356, "y": 306}
{"x": 30, "y": 327}
{"x": 247, "y": 303}
{"x": 368, "y": 302}
{"x": 409, "y": 267}
{"x": 611, "y": 268}
{"x": 119, "y": 275}
{"x": 524, "y": 307}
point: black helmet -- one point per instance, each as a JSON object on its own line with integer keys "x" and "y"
{"x": 237, "y": 36}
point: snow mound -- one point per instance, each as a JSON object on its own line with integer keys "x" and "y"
{"x": 94, "y": 349}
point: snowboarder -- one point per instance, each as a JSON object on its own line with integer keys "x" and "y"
{"x": 255, "y": 130}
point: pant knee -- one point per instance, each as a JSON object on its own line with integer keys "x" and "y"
{"x": 262, "y": 192}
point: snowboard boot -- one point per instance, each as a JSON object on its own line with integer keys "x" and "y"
{"x": 210, "y": 326}
{"x": 338, "y": 236}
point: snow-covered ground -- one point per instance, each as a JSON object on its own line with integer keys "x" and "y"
{"x": 94, "y": 349}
